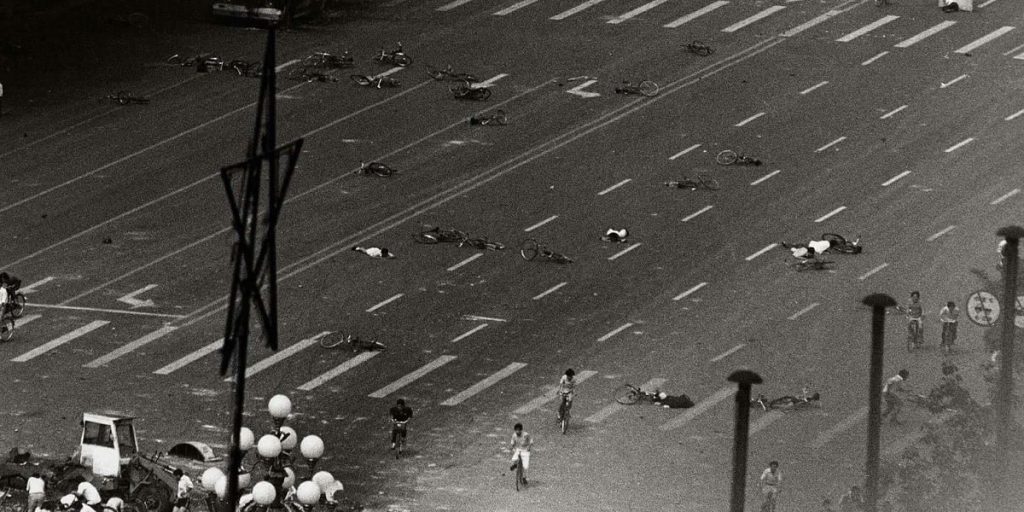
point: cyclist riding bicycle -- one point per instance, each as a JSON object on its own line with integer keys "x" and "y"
{"x": 567, "y": 391}
{"x": 770, "y": 479}
{"x": 915, "y": 315}
{"x": 521, "y": 443}
{"x": 400, "y": 416}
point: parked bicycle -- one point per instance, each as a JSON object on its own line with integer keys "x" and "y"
{"x": 497, "y": 118}
{"x": 127, "y": 98}
{"x": 703, "y": 180}
{"x": 531, "y": 249}
{"x": 482, "y": 243}
{"x": 448, "y": 75}
{"x": 465, "y": 91}
{"x": 700, "y": 48}
{"x": 305, "y": 74}
{"x": 251, "y": 69}
{"x": 375, "y": 81}
{"x": 328, "y": 60}
{"x": 730, "y": 157}
{"x": 396, "y": 57}
{"x": 628, "y": 394}
{"x": 644, "y": 88}
{"x": 354, "y": 343}
{"x": 439, "y": 235}
{"x": 376, "y": 169}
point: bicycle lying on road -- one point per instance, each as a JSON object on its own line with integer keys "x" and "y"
{"x": 644, "y": 88}
{"x": 439, "y": 235}
{"x": 251, "y": 69}
{"x": 482, "y": 243}
{"x": 328, "y": 60}
{"x": 703, "y": 180}
{"x": 628, "y": 394}
{"x": 788, "y": 402}
{"x": 127, "y": 98}
{"x": 448, "y": 75}
{"x": 355, "y": 343}
{"x": 700, "y": 48}
{"x": 376, "y": 169}
{"x": 203, "y": 62}
{"x": 801, "y": 264}
{"x": 531, "y": 249}
{"x": 305, "y": 74}
{"x": 841, "y": 244}
{"x": 498, "y": 118}
{"x": 375, "y": 81}
{"x": 730, "y": 157}
{"x": 466, "y": 91}
{"x": 396, "y": 57}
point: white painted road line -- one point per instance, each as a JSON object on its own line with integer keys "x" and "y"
{"x": 813, "y": 87}
{"x": 766, "y": 419}
{"x": 410, "y": 377}
{"x": 927, "y": 33}
{"x": 892, "y": 112}
{"x": 624, "y": 251}
{"x": 384, "y": 302}
{"x": 1019, "y": 57}
{"x": 800, "y": 313}
{"x": 749, "y": 119}
{"x": 867, "y": 28}
{"x": 683, "y": 152}
{"x": 761, "y": 15}
{"x": 876, "y": 57}
{"x": 484, "y": 384}
{"x": 985, "y": 4}
{"x": 616, "y": 331}
{"x": 50, "y": 345}
{"x": 465, "y": 261}
{"x": 959, "y": 145}
{"x": 613, "y": 408}
{"x": 811, "y": 22}
{"x": 892, "y": 180}
{"x": 691, "y": 290}
{"x": 639, "y": 10}
{"x": 32, "y": 287}
{"x": 1014, "y": 115}
{"x": 699, "y": 409}
{"x": 982, "y": 40}
{"x": 551, "y": 394}
{"x": 762, "y": 251}
{"x": 105, "y": 310}
{"x": 469, "y": 332}
{"x": 190, "y": 358}
{"x": 585, "y": 5}
{"x": 338, "y": 370}
{"x": 391, "y": 71}
{"x": 829, "y": 214}
{"x": 478, "y": 318}
{"x": 696, "y": 213}
{"x": 514, "y": 7}
{"x": 489, "y": 81}
{"x": 871, "y": 272}
{"x": 1005, "y": 196}
{"x": 830, "y": 144}
{"x": 765, "y": 177}
{"x": 452, "y": 5}
{"x": 696, "y": 14}
{"x": 943, "y": 85}
{"x": 21, "y": 322}
{"x": 541, "y": 223}
{"x": 1015, "y": 49}
{"x": 615, "y": 186}
{"x": 280, "y": 355}
{"x": 940, "y": 233}
{"x": 125, "y": 349}
{"x": 550, "y": 290}
{"x": 840, "y": 427}
{"x": 727, "y": 353}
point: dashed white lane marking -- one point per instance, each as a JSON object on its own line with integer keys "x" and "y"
{"x": 892, "y": 112}
{"x": 469, "y": 332}
{"x": 762, "y": 251}
{"x": 21, "y": 322}
{"x": 613, "y": 408}
{"x": 896, "y": 178}
{"x": 876, "y": 57}
{"x": 813, "y": 87}
{"x": 940, "y": 233}
{"x": 683, "y": 152}
{"x": 696, "y": 213}
{"x": 766, "y": 419}
{"x": 867, "y": 28}
{"x": 985, "y": 4}
{"x": 585, "y": 5}
{"x": 800, "y": 313}
{"x": 757, "y": 17}
{"x": 489, "y": 81}
{"x": 385, "y": 302}
{"x": 452, "y": 5}
{"x": 749, "y": 119}
{"x": 338, "y": 370}
{"x": 50, "y": 345}
{"x": 550, "y": 290}
{"x": 829, "y": 214}
{"x": 896, "y": 447}
{"x": 639, "y": 10}
{"x": 465, "y": 261}
{"x": 412, "y": 376}
{"x": 615, "y": 331}
{"x": 32, "y": 287}
{"x": 727, "y": 353}
{"x": 1015, "y": 49}
{"x": 830, "y": 144}
{"x": 926, "y": 33}
{"x": 982, "y": 40}
{"x": 691, "y": 290}
{"x": 624, "y": 251}
{"x": 765, "y": 177}
{"x": 514, "y": 7}
{"x": 847, "y": 423}
{"x": 1014, "y": 115}
{"x": 1019, "y": 57}
{"x": 811, "y": 22}
{"x": 479, "y": 318}
{"x": 484, "y": 384}
{"x": 280, "y": 355}
{"x": 190, "y": 358}
{"x": 551, "y": 394}
{"x": 615, "y": 186}
{"x": 106, "y": 310}
{"x": 130, "y": 347}
{"x": 696, "y": 14}
{"x": 871, "y": 272}
{"x": 699, "y": 409}
{"x": 541, "y": 223}
{"x": 943, "y": 85}
{"x": 959, "y": 145}
{"x": 391, "y": 71}
{"x": 1005, "y": 196}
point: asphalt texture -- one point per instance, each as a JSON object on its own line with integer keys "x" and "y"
{"x": 905, "y": 141}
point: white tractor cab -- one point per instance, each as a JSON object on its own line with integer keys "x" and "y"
{"x": 107, "y": 444}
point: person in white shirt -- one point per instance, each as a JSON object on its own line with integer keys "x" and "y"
{"x": 36, "y": 488}
{"x": 521, "y": 444}
{"x": 771, "y": 477}
{"x": 4, "y": 297}
{"x": 88, "y": 493}
{"x": 185, "y": 487}
{"x": 949, "y": 316}
{"x": 812, "y": 249}
{"x": 893, "y": 403}
{"x": 374, "y": 252}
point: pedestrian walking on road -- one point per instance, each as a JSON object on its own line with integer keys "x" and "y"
{"x": 185, "y": 487}
{"x": 893, "y": 403}
{"x": 949, "y": 316}
{"x": 770, "y": 480}
{"x": 36, "y": 488}
{"x": 915, "y": 318}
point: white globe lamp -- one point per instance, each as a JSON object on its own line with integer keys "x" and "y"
{"x": 289, "y": 438}
{"x": 269, "y": 446}
{"x": 308, "y": 493}
{"x": 210, "y": 477}
{"x": 245, "y": 439}
{"x": 264, "y": 493}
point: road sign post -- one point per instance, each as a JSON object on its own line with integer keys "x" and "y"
{"x": 1011, "y": 252}
{"x": 744, "y": 378}
{"x": 878, "y": 303}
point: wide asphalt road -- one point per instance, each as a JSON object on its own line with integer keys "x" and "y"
{"x": 897, "y": 124}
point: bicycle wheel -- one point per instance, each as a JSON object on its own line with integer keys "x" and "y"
{"x": 529, "y": 249}
{"x": 361, "y": 79}
{"x": 18, "y": 305}
{"x": 627, "y": 394}
{"x": 726, "y": 157}
{"x": 519, "y": 475}
{"x": 7, "y": 328}
{"x": 402, "y": 60}
{"x": 565, "y": 421}
{"x": 383, "y": 171}
{"x": 709, "y": 182}
{"x": 333, "y": 341}
{"x": 648, "y": 88}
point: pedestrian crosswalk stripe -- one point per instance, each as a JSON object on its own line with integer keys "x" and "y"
{"x": 281, "y": 355}
{"x": 927, "y": 33}
{"x": 514, "y": 7}
{"x": 847, "y": 423}
{"x": 639, "y": 10}
{"x": 551, "y": 394}
{"x": 130, "y": 347}
{"x": 612, "y": 408}
{"x": 766, "y": 419}
{"x": 699, "y": 409}
{"x": 867, "y": 28}
{"x": 337, "y": 370}
{"x": 19, "y": 323}
{"x": 50, "y": 345}
{"x": 469, "y": 332}
{"x": 696, "y": 14}
{"x": 452, "y": 5}
{"x": 190, "y": 358}
{"x": 757, "y": 17}
{"x": 982, "y": 40}
{"x": 484, "y": 384}
{"x": 585, "y": 5}
{"x": 410, "y": 377}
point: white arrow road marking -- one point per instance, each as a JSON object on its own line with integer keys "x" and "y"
{"x": 138, "y": 303}
{"x": 943, "y": 85}
{"x": 578, "y": 90}
{"x": 32, "y": 287}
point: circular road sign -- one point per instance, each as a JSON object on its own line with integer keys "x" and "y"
{"x": 983, "y": 308}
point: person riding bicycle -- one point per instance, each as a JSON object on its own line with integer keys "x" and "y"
{"x": 893, "y": 403}
{"x": 374, "y": 252}
{"x": 915, "y": 314}
{"x": 770, "y": 479}
{"x": 566, "y": 391}
{"x": 615, "y": 235}
{"x": 521, "y": 443}
{"x": 400, "y": 415}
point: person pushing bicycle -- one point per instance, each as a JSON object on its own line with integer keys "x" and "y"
{"x": 893, "y": 403}
{"x": 400, "y": 416}
{"x": 567, "y": 391}
{"x": 915, "y": 315}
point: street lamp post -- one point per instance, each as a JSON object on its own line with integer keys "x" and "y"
{"x": 1011, "y": 252}
{"x": 878, "y": 303}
